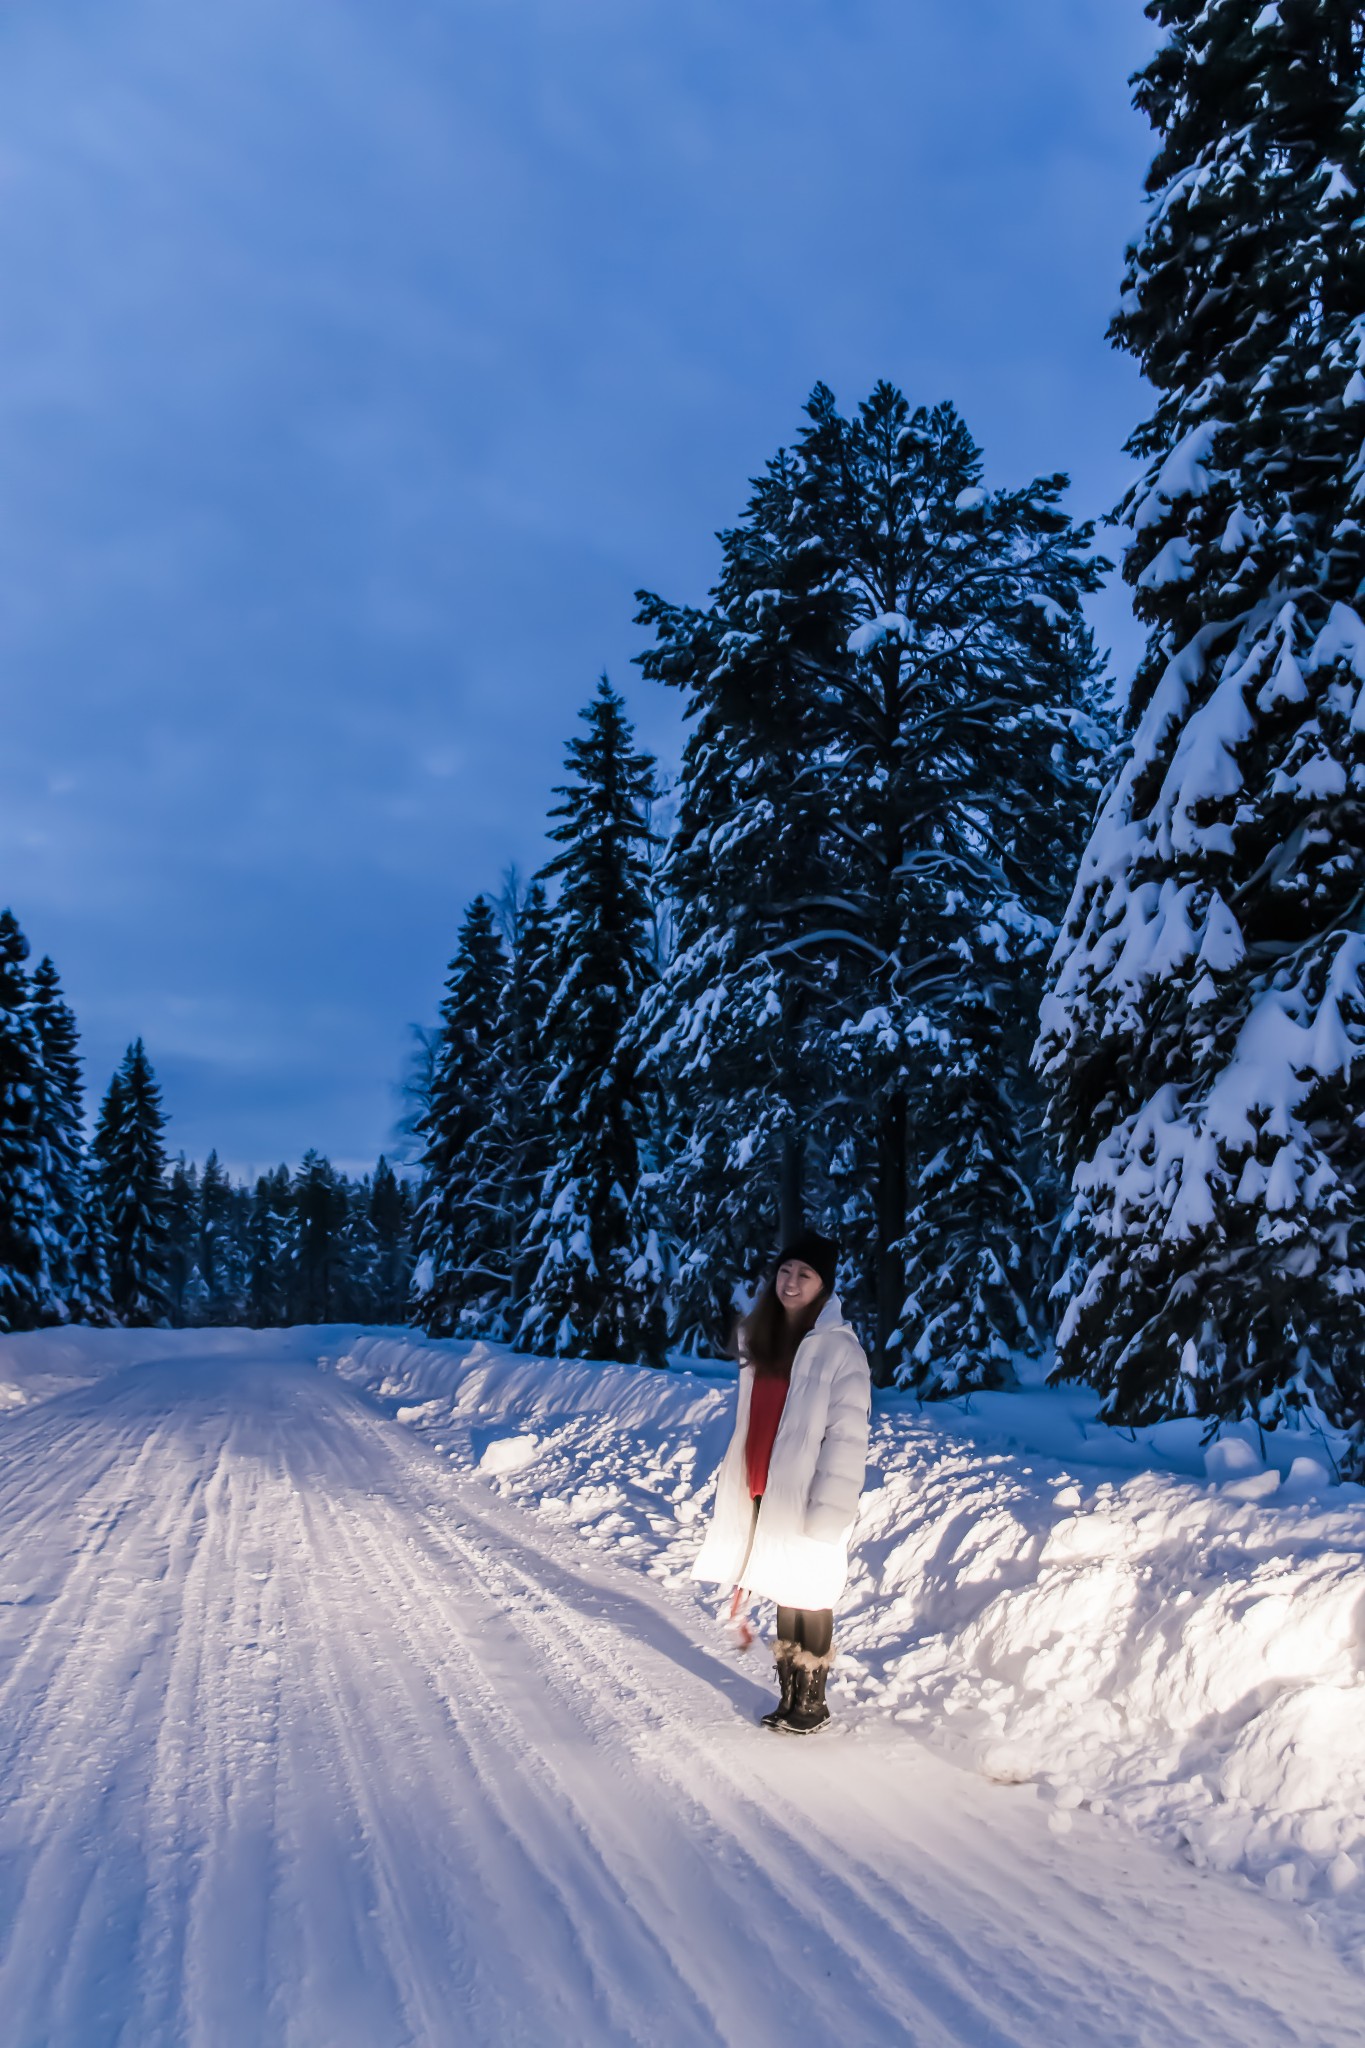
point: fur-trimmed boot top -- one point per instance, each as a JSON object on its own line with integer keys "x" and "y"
{"x": 808, "y": 1710}
{"x": 783, "y": 1653}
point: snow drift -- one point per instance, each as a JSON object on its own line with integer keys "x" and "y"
{"x": 1173, "y": 1636}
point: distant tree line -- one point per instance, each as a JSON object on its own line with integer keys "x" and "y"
{"x": 112, "y": 1232}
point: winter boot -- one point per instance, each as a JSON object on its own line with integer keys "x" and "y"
{"x": 783, "y": 1654}
{"x": 808, "y": 1710}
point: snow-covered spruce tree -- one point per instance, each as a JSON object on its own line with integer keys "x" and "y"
{"x": 725, "y": 1033}
{"x": 1204, "y": 1040}
{"x": 597, "y": 1290}
{"x": 456, "y": 1223}
{"x": 518, "y": 1147}
{"x": 131, "y": 1160}
{"x": 29, "y": 1294}
{"x": 502, "y": 1162}
{"x": 958, "y": 728}
{"x": 890, "y": 704}
{"x": 77, "y": 1262}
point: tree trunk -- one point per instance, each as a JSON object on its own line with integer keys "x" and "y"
{"x": 791, "y": 1208}
{"x": 889, "y": 1281}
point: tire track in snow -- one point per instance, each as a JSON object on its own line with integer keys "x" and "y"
{"x": 71, "y": 1791}
{"x": 307, "y": 1740}
{"x": 765, "y": 1870}
{"x": 1222, "y": 1998}
{"x": 855, "y": 1900}
{"x": 210, "y": 1829}
{"x": 527, "y": 1841}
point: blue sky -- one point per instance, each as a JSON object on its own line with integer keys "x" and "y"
{"x": 359, "y": 361}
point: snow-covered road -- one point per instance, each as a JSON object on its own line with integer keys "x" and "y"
{"x": 307, "y": 1738}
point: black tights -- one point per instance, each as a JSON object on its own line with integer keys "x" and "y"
{"x": 810, "y": 1627}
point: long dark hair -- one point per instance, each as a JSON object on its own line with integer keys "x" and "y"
{"x": 768, "y": 1335}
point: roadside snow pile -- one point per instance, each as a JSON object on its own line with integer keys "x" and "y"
{"x": 1181, "y": 1647}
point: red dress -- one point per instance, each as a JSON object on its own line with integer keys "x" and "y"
{"x": 765, "y": 1412}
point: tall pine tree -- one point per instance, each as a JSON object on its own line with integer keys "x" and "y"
{"x": 890, "y": 707}
{"x": 184, "y": 1289}
{"x": 216, "y": 1256}
{"x": 269, "y": 1250}
{"x": 597, "y": 1290}
{"x": 78, "y": 1265}
{"x": 131, "y": 1157}
{"x": 957, "y": 726}
{"x": 457, "y": 1224}
{"x": 520, "y": 1151}
{"x": 29, "y": 1235}
{"x": 1203, "y": 1040}
{"x": 390, "y": 1220}
{"x": 321, "y": 1278}
{"x": 725, "y": 1034}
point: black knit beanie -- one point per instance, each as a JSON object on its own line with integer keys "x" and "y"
{"x": 821, "y": 1254}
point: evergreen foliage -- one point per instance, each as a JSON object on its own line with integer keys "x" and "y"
{"x": 132, "y": 1174}
{"x": 321, "y": 1276}
{"x": 390, "y": 1219}
{"x": 1202, "y": 1041}
{"x": 183, "y": 1285}
{"x": 217, "y": 1265}
{"x": 77, "y": 1264}
{"x": 597, "y": 1288}
{"x": 890, "y": 709}
{"x": 724, "y": 1034}
{"x": 30, "y": 1293}
{"x": 458, "y": 1269}
{"x": 814, "y": 1003}
{"x": 519, "y": 1142}
{"x": 269, "y": 1244}
{"x": 187, "y": 1247}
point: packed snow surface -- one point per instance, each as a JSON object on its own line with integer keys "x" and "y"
{"x": 320, "y": 1726}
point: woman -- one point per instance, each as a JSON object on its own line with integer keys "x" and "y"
{"x": 787, "y": 1491}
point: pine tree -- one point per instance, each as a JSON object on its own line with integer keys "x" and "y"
{"x": 29, "y": 1229}
{"x": 597, "y": 1290}
{"x": 454, "y": 1226}
{"x": 132, "y": 1178}
{"x": 958, "y": 729}
{"x": 215, "y": 1251}
{"x": 1202, "y": 1041}
{"x": 320, "y": 1280}
{"x": 93, "y": 1300}
{"x": 725, "y": 1033}
{"x": 77, "y": 1263}
{"x": 185, "y": 1292}
{"x": 890, "y": 700}
{"x": 270, "y": 1250}
{"x": 390, "y": 1219}
{"x": 520, "y": 1147}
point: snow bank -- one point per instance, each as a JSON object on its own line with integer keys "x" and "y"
{"x": 1173, "y": 1636}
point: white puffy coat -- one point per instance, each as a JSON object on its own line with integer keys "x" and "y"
{"x": 799, "y": 1553}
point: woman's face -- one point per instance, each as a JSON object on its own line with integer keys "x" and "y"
{"x": 797, "y": 1285}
